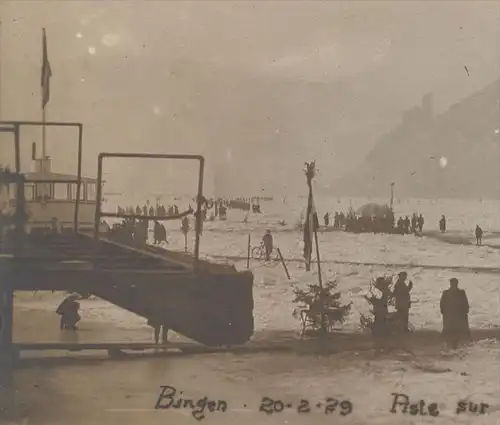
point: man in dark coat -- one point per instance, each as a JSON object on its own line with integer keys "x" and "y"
{"x": 455, "y": 310}
{"x": 420, "y": 223}
{"x": 414, "y": 221}
{"x": 157, "y": 232}
{"x": 401, "y": 295}
{"x": 163, "y": 234}
{"x": 267, "y": 240}
{"x": 442, "y": 224}
{"x": 406, "y": 223}
{"x": 479, "y": 236}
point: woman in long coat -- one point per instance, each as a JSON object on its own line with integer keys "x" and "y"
{"x": 455, "y": 310}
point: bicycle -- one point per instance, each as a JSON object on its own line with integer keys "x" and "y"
{"x": 259, "y": 253}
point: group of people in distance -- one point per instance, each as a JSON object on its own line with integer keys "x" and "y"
{"x": 454, "y": 307}
{"x": 413, "y": 225}
{"x": 386, "y": 223}
{"x": 150, "y": 210}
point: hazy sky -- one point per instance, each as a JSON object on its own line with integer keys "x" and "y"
{"x": 388, "y": 53}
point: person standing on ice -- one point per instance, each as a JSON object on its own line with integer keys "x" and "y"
{"x": 401, "y": 295}
{"x": 454, "y": 307}
{"x": 185, "y": 230}
{"x": 380, "y": 304}
{"x": 479, "y": 236}
{"x": 414, "y": 221}
{"x": 326, "y": 218}
{"x": 267, "y": 240}
{"x": 406, "y": 223}
{"x": 420, "y": 223}
{"x": 159, "y": 233}
{"x": 442, "y": 224}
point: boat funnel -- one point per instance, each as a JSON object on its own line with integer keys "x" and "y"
{"x": 42, "y": 165}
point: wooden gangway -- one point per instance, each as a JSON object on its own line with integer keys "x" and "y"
{"x": 211, "y": 304}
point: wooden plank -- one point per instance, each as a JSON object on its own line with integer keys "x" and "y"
{"x": 103, "y": 270}
{"x": 184, "y": 347}
{"x": 46, "y": 346}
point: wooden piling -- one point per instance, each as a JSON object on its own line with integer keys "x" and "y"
{"x": 284, "y": 264}
{"x": 7, "y": 353}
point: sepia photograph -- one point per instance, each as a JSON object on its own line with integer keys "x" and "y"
{"x": 251, "y": 212}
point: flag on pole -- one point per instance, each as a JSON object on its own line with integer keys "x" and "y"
{"x": 46, "y": 72}
{"x": 311, "y": 218}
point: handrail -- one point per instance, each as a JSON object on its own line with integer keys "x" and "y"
{"x": 199, "y": 198}
{"x": 62, "y": 181}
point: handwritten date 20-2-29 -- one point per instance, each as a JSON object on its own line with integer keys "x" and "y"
{"x": 328, "y": 406}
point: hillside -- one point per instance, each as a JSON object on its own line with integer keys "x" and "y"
{"x": 409, "y": 155}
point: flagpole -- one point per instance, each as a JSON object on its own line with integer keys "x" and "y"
{"x": 43, "y": 97}
{"x": 392, "y": 194}
{"x": 45, "y": 84}
{"x": 43, "y": 132}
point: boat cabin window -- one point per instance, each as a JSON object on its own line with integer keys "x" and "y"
{"x": 43, "y": 191}
{"x": 29, "y": 192}
{"x": 73, "y": 192}
{"x": 60, "y": 191}
{"x": 91, "y": 192}
{"x": 9, "y": 192}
